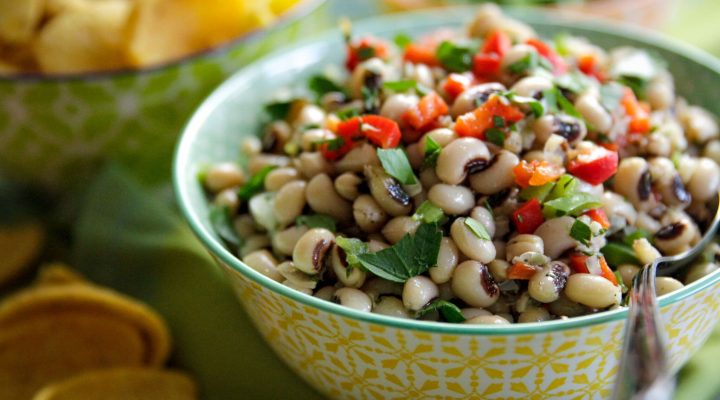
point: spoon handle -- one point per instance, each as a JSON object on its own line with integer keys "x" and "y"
{"x": 644, "y": 372}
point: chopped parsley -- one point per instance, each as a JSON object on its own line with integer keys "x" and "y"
{"x": 581, "y": 232}
{"x": 256, "y": 184}
{"x": 322, "y": 85}
{"x": 396, "y": 164}
{"x": 449, "y": 311}
{"x": 495, "y": 136}
{"x": 574, "y": 204}
{"x": 402, "y": 40}
{"x": 278, "y": 110}
{"x": 353, "y": 248}
{"x": 428, "y": 213}
{"x": 432, "y": 152}
{"x": 455, "y": 57}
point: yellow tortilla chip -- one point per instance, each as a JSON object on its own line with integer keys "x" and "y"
{"x": 85, "y": 39}
{"x": 123, "y": 384}
{"x": 19, "y": 19}
{"x": 20, "y": 245}
{"x": 43, "y": 301}
{"x": 43, "y": 349}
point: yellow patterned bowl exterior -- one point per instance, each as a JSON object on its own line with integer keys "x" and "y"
{"x": 347, "y": 354}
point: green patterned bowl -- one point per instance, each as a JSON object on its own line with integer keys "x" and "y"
{"x": 55, "y": 131}
{"x": 348, "y": 354}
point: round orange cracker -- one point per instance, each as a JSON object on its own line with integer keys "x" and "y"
{"x": 42, "y": 349}
{"x": 123, "y": 384}
{"x": 20, "y": 245}
{"x": 95, "y": 301}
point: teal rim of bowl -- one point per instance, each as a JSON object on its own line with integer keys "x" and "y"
{"x": 302, "y": 9}
{"x": 182, "y": 163}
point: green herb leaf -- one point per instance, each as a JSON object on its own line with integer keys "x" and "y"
{"x": 322, "y": 85}
{"x": 428, "y": 213}
{"x": 449, "y": 311}
{"x": 675, "y": 158}
{"x": 347, "y": 113}
{"x": 221, "y": 221}
{"x": 455, "y": 57}
{"x": 623, "y": 289}
{"x": 401, "y": 86}
{"x": 411, "y": 256}
{"x": 574, "y": 205}
{"x": 566, "y": 106}
{"x": 495, "y": 136}
{"x": 396, "y": 164}
{"x": 574, "y": 81}
{"x": 256, "y": 184}
{"x": 477, "y": 228}
{"x": 371, "y": 99}
{"x": 525, "y": 64}
{"x": 535, "y": 105}
{"x": 581, "y": 232}
{"x": 565, "y": 186}
{"x": 332, "y": 144}
{"x": 432, "y": 152}
{"x": 638, "y": 86}
{"x": 637, "y": 234}
{"x": 536, "y": 192}
{"x": 560, "y": 41}
{"x": 278, "y": 110}
{"x": 402, "y": 40}
{"x": 619, "y": 253}
{"x": 366, "y": 53}
{"x": 610, "y": 95}
{"x": 353, "y": 248}
{"x": 317, "y": 221}
{"x": 498, "y": 121}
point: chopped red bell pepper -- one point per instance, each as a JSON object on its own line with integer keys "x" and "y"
{"x": 421, "y": 54}
{"x": 348, "y": 135}
{"x": 638, "y": 112}
{"x": 455, "y": 84}
{"x": 381, "y": 131}
{"x": 521, "y": 271}
{"x": 547, "y": 52}
{"x": 598, "y": 215}
{"x": 497, "y": 42}
{"x": 536, "y": 173}
{"x": 578, "y": 262}
{"x": 528, "y": 217}
{"x": 427, "y": 111}
{"x": 594, "y": 166}
{"x": 588, "y": 64}
{"x": 488, "y": 61}
{"x": 365, "y": 48}
{"x": 476, "y": 122}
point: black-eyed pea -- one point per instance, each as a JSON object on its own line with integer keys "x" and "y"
{"x": 262, "y": 160}
{"x": 415, "y": 155}
{"x": 535, "y": 155}
{"x": 534, "y": 314}
{"x": 473, "y": 284}
{"x": 388, "y": 192}
{"x": 369, "y": 216}
{"x": 419, "y": 198}
{"x": 700, "y": 270}
{"x": 446, "y": 292}
{"x": 516, "y": 53}
{"x": 453, "y": 199}
{"x": 532, "y": 85}
{"x": 627, "y": 273}
{"x": 228, "y": 198}
{"x": 712, "y": 150}
{"x": 296, "y": 278}
{"x": 666, "y": 284}
{"x": 555, "y": 234}
{"x": 418, "y": 291}
{"x": 313, "y": 163}
{"x": 275, "y": 136}
{"x": 278, "y": 177}
{"x": 661, "y": 91}
{"x": 500, "y": 248}
{"x": 441, "y": 136}
{"x": 251, "y": 145}
{"x": 376, "y": 287}
{"x": 284, "y": 241}
{"x": 468, "y": 100}
{"x": 375, "y": 245}
{"x": 497, "y": 176}
{"x": 253, "y": 243}
{"x": 460, "y": 157}
{"x": 470, "y": 244}
{"x": 592, "y": 290}
{"x": 263, "y": 262}
{"x": 447, "y": 260}
{"x": 289, "y": 202}
{"x": 223, "y": 176}
{"x": 326, "y": 293}
{"x": 244, "y": 225}
{"x": 547, "y": 284}
{"x": 428, "y": 177}
{"x": 357, "y": 158}
{"x": 347, "y": 184}
{"x": 311, "y": 249}
{"x": 647, "y": 222}
{"x": 593, "y": 112}
{"x": 398, "y": 227}
{"x": 616, "y": 205}
{"x": 323, "y": 199}
{"x": 703, "y": 185}
{"x": 311, "y": 138}
{"x": 420, "y": 73}
{"x": 485, "y": 217}
{"x": 350, "y": 277}
{"x": 502, "y": 228}
{"x": 498, "y": 269}
{"x": 472, "y": 312}
{"x": 487, "y": 320}
{"x": 675, "y": 237}
{"x": 644, "y": 251}
{"x": 397, "y": 104}
{"x": 523, "y": 243}
{"x": 354, "y": 298}
{"x": 391, "y": 306}
{"x": 309, "y": 115}
{"x": 633, "y": 180}
{"x": 700, "y": 126}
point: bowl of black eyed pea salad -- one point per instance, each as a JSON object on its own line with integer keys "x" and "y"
{"x": 453, "y": 203}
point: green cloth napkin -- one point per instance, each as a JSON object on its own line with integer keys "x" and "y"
{"x": 129, "y": 238}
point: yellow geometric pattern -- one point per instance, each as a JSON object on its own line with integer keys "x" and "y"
{"x": 347, "y": 359}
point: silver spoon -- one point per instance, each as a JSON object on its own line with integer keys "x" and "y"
{"x": 644, "y": 373}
